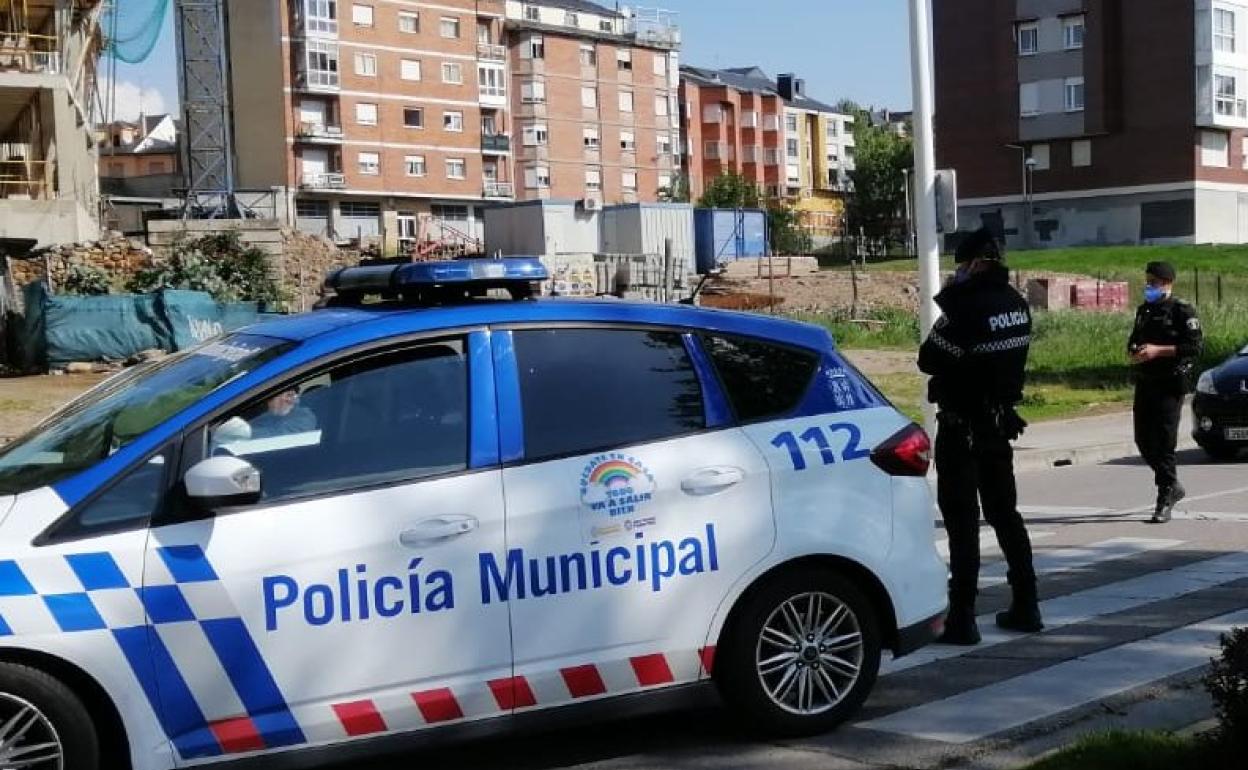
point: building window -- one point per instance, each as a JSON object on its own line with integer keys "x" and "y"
{"x": 589, "y": 56}
{"x": 1029, "y": 99}
{"x": 320, "y": 16}
{"x": 1226, "y": 93}
{"x": 793, "y": 174}
{"x": 1028, "y": 38}
{"x": 450, "y": 213}
{"x": 605, "y": 25}
{"x": 712, "y": 150}
{"x": 591, "y": 138}
{"x": 1243, "y": 151}
{"x": 533, "y": 92}
{"x": 532, "y": 13}
{"x": 664, "y": 144}
{"x": 1215, "y": 149}
{"x": 452, "y": 72}
{"x": 535, "y": 134}
{"x": 1040, "y": 154}
{"x": 491, "y": 81}
{"x": 366, "y": 65}
{"x": 628, "y": 180}
{"x": 1072, "y": 32}
{"x": 626, "y": 101}
{"x": 628, "y": 142}
{"x": 366, "y": 114}
{"x": 449, "y": 27}
{"x": 533, "y": 48}
{"x": 593, "y": 180}
{"x": 456, "y": 168}
{"x": 791, "y": 148}
{"x": 624, "y": 59}
{"x": 369, "y": 163}
{"x": 1081, "y": 153}
{"x": 790, "y": 122}
{"x": 660, "y": 106}
{"x": 570, "y": 19}
{"x": 409, "y": 22}
{"x": 362, "y": 15}
{"x": 321, "y": 64}
{"x": 413, "y": 117}
{"x": 1073, "y": 88}
{"x": 589, "y": 97}
{"x": 453, "y": 121}
{"x": 537, "y": 177}
{"x": 415, "y": 165}
{"x": 409, "y": 69}
{"x": 660, "y": 64}
{"x": 1223, "y": 30}
{"x": 712, "y": 113}
{"x": 665, "y": 183}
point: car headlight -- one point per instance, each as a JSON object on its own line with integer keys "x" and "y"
{"x": 1205, "y": 384}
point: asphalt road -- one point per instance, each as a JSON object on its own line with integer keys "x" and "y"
{"x": 1133, "y": 611}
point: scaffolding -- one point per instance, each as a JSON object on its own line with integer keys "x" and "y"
{"x": 29, "y": 42}
{"x": 204, "y": 81}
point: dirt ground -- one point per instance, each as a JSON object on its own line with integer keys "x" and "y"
{"x": 26, "y": 400}
{"x": 827, "y": 290}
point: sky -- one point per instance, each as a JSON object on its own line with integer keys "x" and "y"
{"x": 845, "y": 49}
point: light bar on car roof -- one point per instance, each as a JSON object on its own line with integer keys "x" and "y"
{"x": 440, "y": 280}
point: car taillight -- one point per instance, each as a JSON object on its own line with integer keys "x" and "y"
{"x": 907, "y": 453}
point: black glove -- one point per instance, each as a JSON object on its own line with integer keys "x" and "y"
{"x": 1009, "y": 424}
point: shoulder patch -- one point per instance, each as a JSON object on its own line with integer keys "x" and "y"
{"x": 1193, "y": 323}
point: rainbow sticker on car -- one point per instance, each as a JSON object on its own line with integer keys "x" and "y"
{"x": 615, "y": 490}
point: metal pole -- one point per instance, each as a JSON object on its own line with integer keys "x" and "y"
{"x": 924, "y": 174}
{"x": 909, "y": 215}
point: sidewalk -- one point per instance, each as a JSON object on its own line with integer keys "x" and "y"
{"x": 1085, "y": 441}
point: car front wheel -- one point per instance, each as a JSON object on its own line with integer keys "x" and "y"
{"x": 43, "y": 725}
{"x": 802, "y": 654}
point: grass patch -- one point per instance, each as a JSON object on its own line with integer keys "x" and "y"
{"x": 1135, "y": 751}
{"x": 886, "y": 329}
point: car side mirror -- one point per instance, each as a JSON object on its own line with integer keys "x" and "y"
{"x": 221, "y": 482}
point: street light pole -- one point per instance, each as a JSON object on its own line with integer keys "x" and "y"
{"x": 924, "y": 163}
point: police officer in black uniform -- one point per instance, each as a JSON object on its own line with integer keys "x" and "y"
{"x": 1165, "y": 347}
{"x": 976, "y": 356}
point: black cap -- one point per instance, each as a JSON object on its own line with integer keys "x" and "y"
{"x": 1161, "y": 270}
{"x": 981, "y": 244}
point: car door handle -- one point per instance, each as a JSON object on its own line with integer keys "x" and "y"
{"x": 438, "y": 530}
{"x": 709, "y": 481}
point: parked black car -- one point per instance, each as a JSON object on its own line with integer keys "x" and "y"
{"x": 1220, "y": 408}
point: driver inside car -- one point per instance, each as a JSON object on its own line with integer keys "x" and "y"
{"x": 283, "y": 416}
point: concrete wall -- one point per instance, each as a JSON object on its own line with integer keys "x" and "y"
{"x": 258, "y": 100}
{"x": 50, "y": 222}
{"x": 266, "y": 234}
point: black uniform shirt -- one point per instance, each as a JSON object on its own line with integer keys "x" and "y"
{"x": 1168, "y": 322}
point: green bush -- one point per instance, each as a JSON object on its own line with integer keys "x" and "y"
{"x": 218, "y": 264}
{"x": 1227, "y": 683}
{"x": 86, "y": 281}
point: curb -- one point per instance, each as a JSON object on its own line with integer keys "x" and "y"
{"x": 1029, "y": 460}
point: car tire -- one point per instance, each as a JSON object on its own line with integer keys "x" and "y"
{"x": 791, "y": 691}
{"x": 1220, "y": 452}
{"x": 56, "y": 716}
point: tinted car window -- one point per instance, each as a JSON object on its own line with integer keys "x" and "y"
{"x": 588, "y": 389}
{"x": 761, "y": 380}
{"x": 387, "y": 418}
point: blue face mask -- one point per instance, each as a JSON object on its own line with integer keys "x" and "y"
{"x": 1154, "y": 294}
{"x": 962, "y": 274}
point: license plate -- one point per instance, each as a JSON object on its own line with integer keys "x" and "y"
{"x": 1237, "y": 434}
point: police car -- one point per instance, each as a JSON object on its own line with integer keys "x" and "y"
{"x": 422, "y": 513}
{"x": 1220, "y": 408}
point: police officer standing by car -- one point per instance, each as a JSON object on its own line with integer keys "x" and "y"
{"x": 976, "y": 355}
{"x": 1165, "y": 347}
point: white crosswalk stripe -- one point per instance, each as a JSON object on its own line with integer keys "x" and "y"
{"x": 1077, "y": 557}
{"x": 986, "y": 711}
{"x": 1103, "y": 600}
{"x": 988, "y": 542}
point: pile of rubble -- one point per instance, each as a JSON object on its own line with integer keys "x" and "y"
{"x": 115, "y": 254}
{"x": 306, "y": 260}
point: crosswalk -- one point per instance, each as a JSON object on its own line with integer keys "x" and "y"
{"x": 1121, "y": 635}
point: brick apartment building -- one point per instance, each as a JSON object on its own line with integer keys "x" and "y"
{"x": 593, "y": 92}
{"x": 1096, "y": 121}
{"x": 793, "y": 147}
{"x": 404, "y": 120}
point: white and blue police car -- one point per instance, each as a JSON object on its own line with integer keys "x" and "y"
{"x": 421, "y": 513}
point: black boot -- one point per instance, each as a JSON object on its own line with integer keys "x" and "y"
{"x": 960, "y": 627}
{"x": 1166, "y": 500}
{"x": 1024, "y": 612}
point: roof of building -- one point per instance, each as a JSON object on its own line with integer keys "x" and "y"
{"x": 753, "y": 80}
{"x": 584, "y": 6}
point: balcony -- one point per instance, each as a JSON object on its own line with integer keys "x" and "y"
{"x": 499, "y": 189}
{"x": 26, "y": 179}
{"x": 771, "y": 122}
{"x": 318, "y": 133}
{"x": 30, "y": 53}
{"x": 491, "y": 52}
{"x": 318, "y": 81}
{"x": 496, "y": 144}
{"x": 323, "y": 181}
{"x": 493, "y": 96}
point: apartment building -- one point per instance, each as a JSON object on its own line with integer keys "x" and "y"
{"x": 378, "y": 118}
{"x": 49, "y": 189}
{"x": 795, "y": 148}
{"x": 593, "y": 95}
{"x": 1093, "y": 122}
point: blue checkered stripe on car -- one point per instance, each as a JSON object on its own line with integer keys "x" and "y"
{"x": 192, "y": 599}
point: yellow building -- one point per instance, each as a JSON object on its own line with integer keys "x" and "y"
{"x": 819, "y": 154}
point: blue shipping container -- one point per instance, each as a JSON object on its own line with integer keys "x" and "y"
{"x": 726, "y": 235}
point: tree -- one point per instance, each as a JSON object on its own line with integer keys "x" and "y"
{"x": 880, "y": 158}
{"x": 730, "y": 190}
{"x": 677, "y": 191}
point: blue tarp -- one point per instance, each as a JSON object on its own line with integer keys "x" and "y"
{"x": 60, "y": 329}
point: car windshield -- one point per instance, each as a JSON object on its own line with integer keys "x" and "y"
{"x": 124, "y": 407}
{"x": 1244, "y": 352}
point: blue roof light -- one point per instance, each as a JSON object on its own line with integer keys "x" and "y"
{"x": 440, "y": 281}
